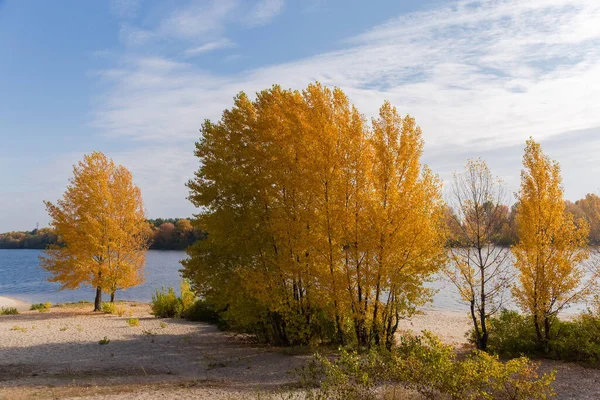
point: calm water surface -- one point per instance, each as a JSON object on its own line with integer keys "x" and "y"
{"x": 21, "y": 277}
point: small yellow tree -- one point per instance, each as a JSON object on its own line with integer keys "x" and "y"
{"x": 551, "y": 246}
{"x": 102, "y": 223}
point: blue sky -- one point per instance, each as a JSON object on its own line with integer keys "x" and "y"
{"x": 135, "y": 79}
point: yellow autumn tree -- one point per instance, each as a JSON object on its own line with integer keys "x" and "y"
{"x": 551, "y": 245}
{"x": 102, "y": 223}
{"x": 406, "y": 216}
{"x": 318, "y": 228}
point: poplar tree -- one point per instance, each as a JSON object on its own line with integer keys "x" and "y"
{"x": 552, "y": 246}
{"x": 102, "y": 224}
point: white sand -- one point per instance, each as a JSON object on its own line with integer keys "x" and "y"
{"x": 450, "y": 326}
{"x": 57, "y": 354}
{"x": 7, "y": 302}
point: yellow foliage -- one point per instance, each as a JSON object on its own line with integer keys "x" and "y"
{"x": 551, "y": 245}
{"x": 102, "y": 223}
{"x": 318, "y": 225}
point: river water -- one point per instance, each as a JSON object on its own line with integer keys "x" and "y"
{"x": 21, "y": 277}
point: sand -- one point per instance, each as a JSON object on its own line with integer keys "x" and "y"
{"x": 8, "y": 302}
{"x": 57, "y": 354}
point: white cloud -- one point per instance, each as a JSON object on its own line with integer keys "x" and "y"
{"x": 210, "y": 46}
{"x": 264, "y": 11}
{"x": 198, "y": 21}
{"x": 478, "y": 76}
{"x": 461, "y": 79}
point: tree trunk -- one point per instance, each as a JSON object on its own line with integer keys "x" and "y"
{"x": 98, "y": 300}
{"x": 112, "y": 296}
{"x": 475, "y": 324}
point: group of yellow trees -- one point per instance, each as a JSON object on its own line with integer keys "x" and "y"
{"x": 319, "y": 225}
{"x": 322, "y": 226}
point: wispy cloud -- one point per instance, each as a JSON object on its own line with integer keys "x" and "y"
{"x": 478, "y": 76}
{"x": 200, "y": 20}
{"x": 495, "y": 73}
{"x": 264, "y": 11}
{"x": 210, "y": 46}
{"x": 125, "y": 8}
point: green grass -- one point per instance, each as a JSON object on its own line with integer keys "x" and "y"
{"x": 8, "y": 311}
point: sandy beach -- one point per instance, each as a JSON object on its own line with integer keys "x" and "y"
{"x": 57, "y": 354}
{"x": 8, "y": 302}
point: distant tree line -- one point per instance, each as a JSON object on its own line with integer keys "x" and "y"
{"x": 35, "y": 239}
{"x": 164, "y": 233}
{"x": 505, "y": 232}
{"x": 173, "y": 233}
{"x": 178, "y": 233}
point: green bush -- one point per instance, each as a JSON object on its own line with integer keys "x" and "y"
{"x": 108, "y": 308}
{"x": 41, "y": 307}
{"x": 430, "y": 367}
{"x": 512, "y": 334}
{"x": 577, "y": 340}
{"x": 8, "y": 311}
{"x": 202, "y": 311}
{"x": 424, "y": 364}
{"x": 188, "y": 297}
{"x": 165, "y": 304}
{"x": 133, "y": 322}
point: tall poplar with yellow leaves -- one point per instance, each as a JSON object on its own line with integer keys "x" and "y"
{"x": 551, "y": 245}
{"x": 102, "y": 223}
{"x": 319, "y": 228}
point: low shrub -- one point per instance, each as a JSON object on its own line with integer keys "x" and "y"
{"x": 431, "y": 368}
{"x": 166, "y": 304}
{"x": 424, "y": 364}
{"x": 202, "y": 311}
{"x": 108, "y": 308}
{"x": 104, "y": 341}
{"x": 8, "y": 311}
{"x": 577, "y": 340}
{"x": 133, "y": 322}
{"x": 512, "y": 334}
{"x": 112, "y": 308}
{"x": 41, "y": 307}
